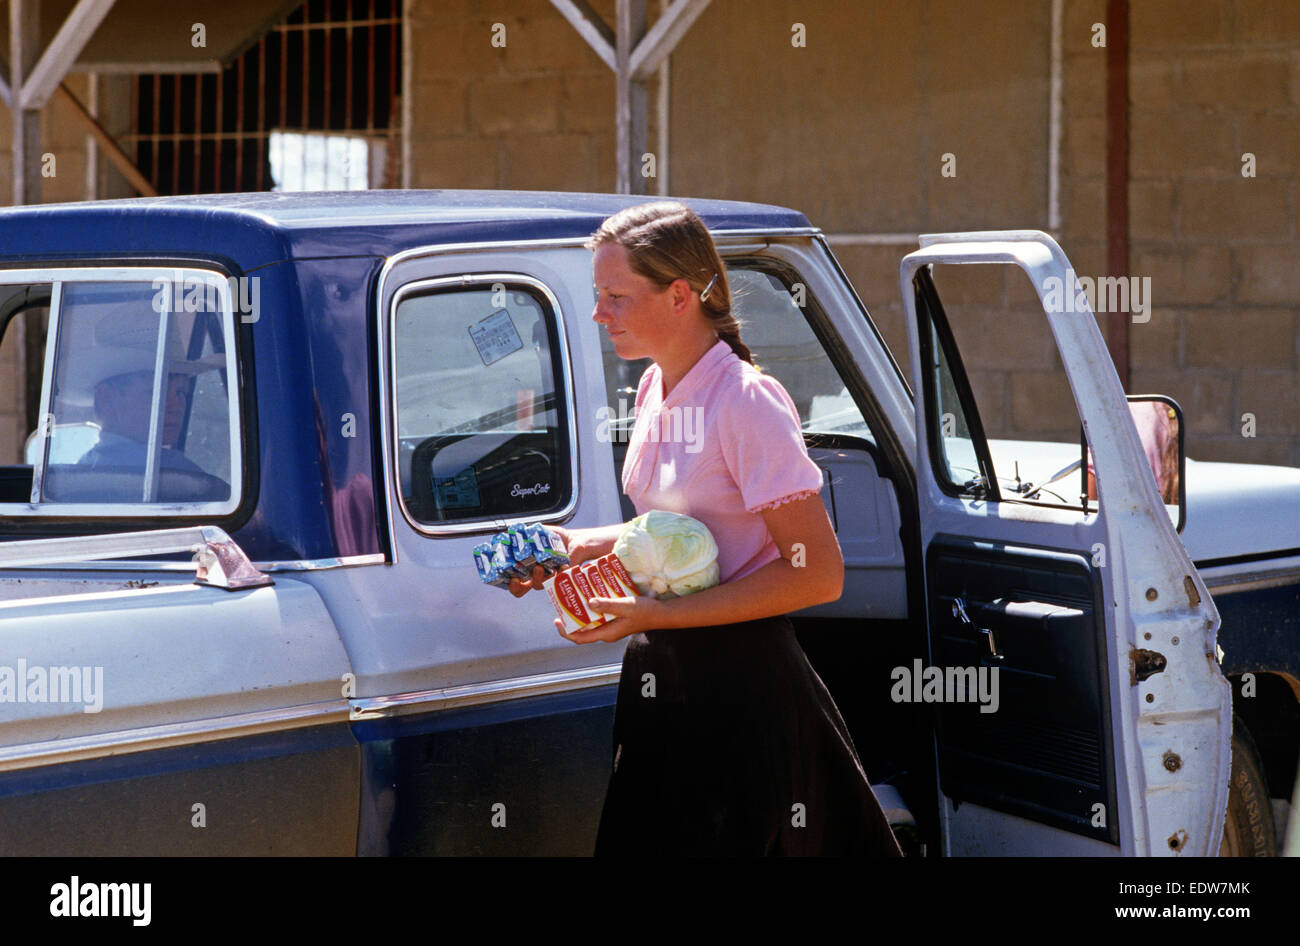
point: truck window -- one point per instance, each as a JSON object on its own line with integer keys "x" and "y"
{"x": 135, "y": 412}
{"x": 1000, "y": 397}
{"x": 481, "y": 423}
{"x": 773, "y": 307}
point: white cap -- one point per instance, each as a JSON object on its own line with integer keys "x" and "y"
{"x": 121, "y": 344}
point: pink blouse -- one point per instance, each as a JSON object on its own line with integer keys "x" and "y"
{"x": 724, "y": 445}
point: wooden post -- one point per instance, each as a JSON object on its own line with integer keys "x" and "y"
{"x": 632, "y": 97}
{"x": 24, "y": 50}
{"x": 1117, "y": 323}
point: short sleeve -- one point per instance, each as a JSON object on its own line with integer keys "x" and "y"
{"x": 763, "y": 446}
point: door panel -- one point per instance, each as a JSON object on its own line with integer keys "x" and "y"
{"x": 1043, "y": 753}
{"x": 864, "y": 511}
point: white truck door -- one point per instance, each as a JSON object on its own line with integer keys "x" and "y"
{"x": 1103, "y": 723}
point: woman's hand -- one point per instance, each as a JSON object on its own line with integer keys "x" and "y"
{"x": 586, "y": 544}
{"x": 633, "y": 615}
{"x": 521, "y": 586}
{"x": 582, "y": 544}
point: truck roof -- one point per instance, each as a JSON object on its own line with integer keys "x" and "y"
{"x": 270, "y": 226}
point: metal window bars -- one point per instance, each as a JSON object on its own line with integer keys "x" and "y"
{"x": 347, "y": 71}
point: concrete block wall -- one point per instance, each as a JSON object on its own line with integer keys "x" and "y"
{"x": 1212, "y": 83}
{"x": 533, "y": 114}
{"x": 853, "y": 126}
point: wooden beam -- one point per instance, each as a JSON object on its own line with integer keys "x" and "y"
{"x": 24, "y": 45}
{"x": 590, "y": 27}
{"x": 106, "y": 141}
{"x": 63, "y": 51}
{"x": 631, "y": 96}
{"x": 1117, "y": 323}
{"x": 671, "y": 26}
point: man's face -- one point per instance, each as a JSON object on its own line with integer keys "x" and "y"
{"x": 122, "y": 404}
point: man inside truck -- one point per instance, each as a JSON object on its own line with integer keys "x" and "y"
{"x": 122, "y": 407}
{"x": 119, "y": 380}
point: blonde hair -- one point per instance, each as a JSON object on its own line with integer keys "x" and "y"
{"x": 665, "y": 241}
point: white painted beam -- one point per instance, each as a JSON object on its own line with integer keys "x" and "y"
{"x": 62, "y": 52}
{"x": 590, "y": 27}
{"x": 662, "y": 38}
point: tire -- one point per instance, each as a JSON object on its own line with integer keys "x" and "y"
{"x": 1248, "y": 824}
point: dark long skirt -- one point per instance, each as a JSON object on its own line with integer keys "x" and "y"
{"x": 726, "y": 742}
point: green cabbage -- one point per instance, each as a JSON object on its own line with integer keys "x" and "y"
{"x": 668, "y": 555}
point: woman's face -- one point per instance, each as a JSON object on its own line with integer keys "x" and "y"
{"x": 636, "y": 313}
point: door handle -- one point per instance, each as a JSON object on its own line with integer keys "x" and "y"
{"x": 984, "y": 634}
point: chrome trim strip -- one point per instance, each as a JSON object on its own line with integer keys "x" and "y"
{"x": 153, "y": 455}
{"x": 145, "y": 565}
{"x": 473, "y": 694}
{"x": 469, "y": 281}
{"x": 218, "y": 560}
{"x": 45, "y": 423}
{"x": 194, "y": 732}
{"x": 322, "y": 564}
{"x": 142, "y": 274}
{"x": 79, "y": 748}
{"x": 1250, "y": 576}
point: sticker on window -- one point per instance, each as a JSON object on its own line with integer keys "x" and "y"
{"x": 495, "y": 337}
{"x": 457, "y": 492}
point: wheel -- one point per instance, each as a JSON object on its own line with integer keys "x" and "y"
{"x": 1248, "y": 825}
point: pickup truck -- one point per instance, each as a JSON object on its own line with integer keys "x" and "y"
{"x": 239, "y": 609}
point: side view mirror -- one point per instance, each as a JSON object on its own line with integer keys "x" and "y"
{"x": 1159, "y": 422}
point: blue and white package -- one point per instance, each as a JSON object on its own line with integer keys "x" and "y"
{"x": 548, "y": 548}
{"x": 503, "y": 559}
{"x": 522, "y": 547}
{"x": 488, "y": 572}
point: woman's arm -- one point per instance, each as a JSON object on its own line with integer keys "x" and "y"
{"x": 810, "y": 571}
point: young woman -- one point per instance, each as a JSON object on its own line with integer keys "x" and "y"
{"x": 726, "y": 741}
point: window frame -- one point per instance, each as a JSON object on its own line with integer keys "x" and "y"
{"x": 37, "y": 508}
{"x": 559, "y": 343}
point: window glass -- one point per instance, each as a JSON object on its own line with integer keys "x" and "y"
{"x": 955, "y": 440}
{"x": 1020, "y": 395}
{"x": 481, "y": 427}
{"x": 106, "y": 428}
{"x": 774, "y": 325}
{"x": 776, "y": 329}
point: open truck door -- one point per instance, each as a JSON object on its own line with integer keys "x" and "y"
{"x": 1108, "y": 724}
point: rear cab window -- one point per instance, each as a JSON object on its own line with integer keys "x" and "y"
{"x": 130, "y": 410}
